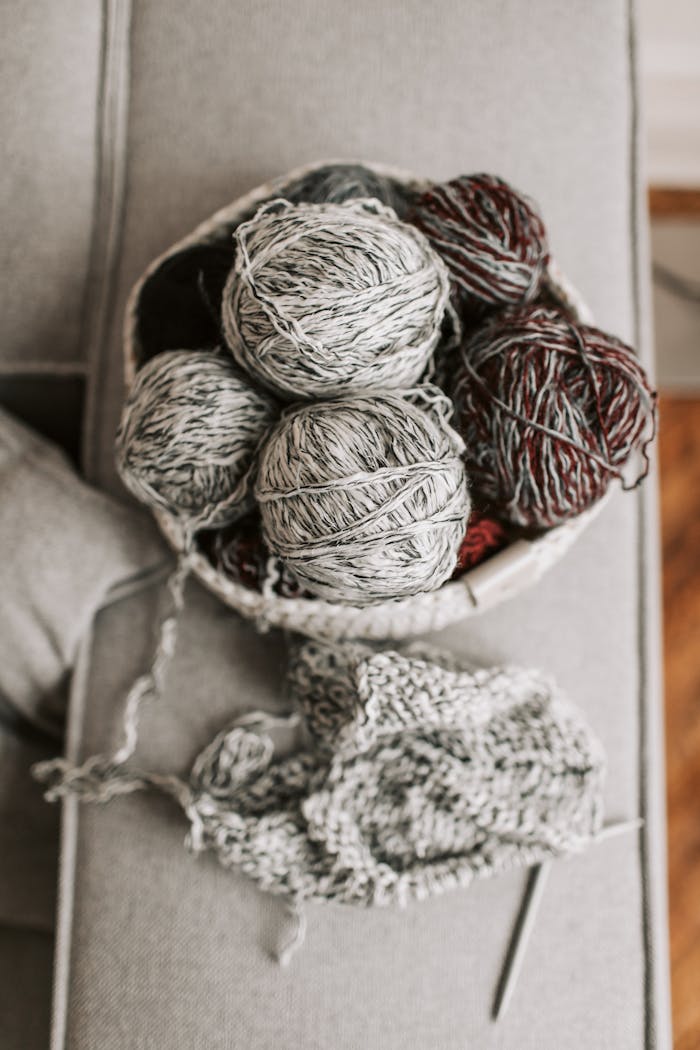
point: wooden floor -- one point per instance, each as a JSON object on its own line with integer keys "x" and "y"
{"x": 679, "y": 441}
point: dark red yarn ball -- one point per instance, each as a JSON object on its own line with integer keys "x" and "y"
{"x": 491, "y": 238}
{"x": 239, "y": 552}
{"x": 484, "y": 536}
{"x": 550, "y": 412}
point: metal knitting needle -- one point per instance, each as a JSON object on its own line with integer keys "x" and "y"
{"x": 525, "y": 920}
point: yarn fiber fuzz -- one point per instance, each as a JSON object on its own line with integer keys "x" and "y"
{"x": 189, "y": 431}
{"x": 364, "y": 498}
{"x": 550, "y": 412}
{"x": 325, "y": 299}
{"x": 491, "y": 238}
{"x": 421, "y": 776}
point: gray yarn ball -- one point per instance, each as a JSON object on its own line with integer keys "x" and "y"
{"x": 335, "y": 183}
{"x": 365, "y": 498}
{"x": 188, "y": 435}
{"x": 326, "y": 299}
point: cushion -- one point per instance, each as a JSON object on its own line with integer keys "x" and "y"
{"x": 64, "y": 546}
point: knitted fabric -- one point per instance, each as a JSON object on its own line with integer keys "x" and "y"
{"x": 419, "y": 778}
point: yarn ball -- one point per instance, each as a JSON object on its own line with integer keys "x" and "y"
{"x": 239, "y": 552}
{"x": 179, "y": 305}
{"x": 325, "y": 299}
{"x": 336, "y": 183}
{"x": 550, "y": 411}
{"x": 484, "y": 537}
{"x": 189, "y": 431}
{"x": 491, "y": 238}
{"x": 365, "y": 498}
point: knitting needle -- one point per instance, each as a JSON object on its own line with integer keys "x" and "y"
{"x": 534, "y": 888}
{"x": 525, "y": 919}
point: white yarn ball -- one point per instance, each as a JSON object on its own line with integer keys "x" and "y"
{"x": 189, "y": 431}
{"x": 326, "y": 299}
{"x": 364, "y": 498}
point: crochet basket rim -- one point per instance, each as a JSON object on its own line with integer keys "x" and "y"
{"x": 502, "y": 576}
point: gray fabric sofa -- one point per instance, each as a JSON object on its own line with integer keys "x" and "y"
{"x": 138, "y": 120}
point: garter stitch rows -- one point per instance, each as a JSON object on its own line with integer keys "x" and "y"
{"x": 189, "y": 431}
{"x": 421, "y": 777}
{"x": 330, "y": 298}
{"x": 366, "y": 497}
{"x": 489, "y": 235}
{"x": 550, "y": 412}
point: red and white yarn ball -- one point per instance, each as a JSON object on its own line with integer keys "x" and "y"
{"x": 550, "y": 412}
{"x": 491, "y": 238}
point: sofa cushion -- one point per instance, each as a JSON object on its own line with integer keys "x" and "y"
{"x": 64, "y": 545}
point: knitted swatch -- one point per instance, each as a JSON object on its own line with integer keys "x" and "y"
{"x": 420, "y": 777}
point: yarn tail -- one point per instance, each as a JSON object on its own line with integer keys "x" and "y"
{"x": 102, "y": 777}
{"x": 290, "y": 946}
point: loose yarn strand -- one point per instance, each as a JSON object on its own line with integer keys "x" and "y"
{"x": 151, "y": 684}
{"x": 100, "y": 777}
{"x": 297, "y": 937}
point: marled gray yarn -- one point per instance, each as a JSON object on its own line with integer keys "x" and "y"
{"x": 336, "y": 183}
{"x": 190, "y": 428}
{"x": 365, "y": 498}
{"x": 329, "y": 298}
{"x": 419, "y": 780}
{"x": 419, "y": 777}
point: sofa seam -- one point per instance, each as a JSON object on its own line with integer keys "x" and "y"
{"x": 68, "y": 852}
{"x": 109, "y": 210}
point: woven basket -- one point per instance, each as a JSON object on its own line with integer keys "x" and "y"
{"x": 500, "y": 577}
